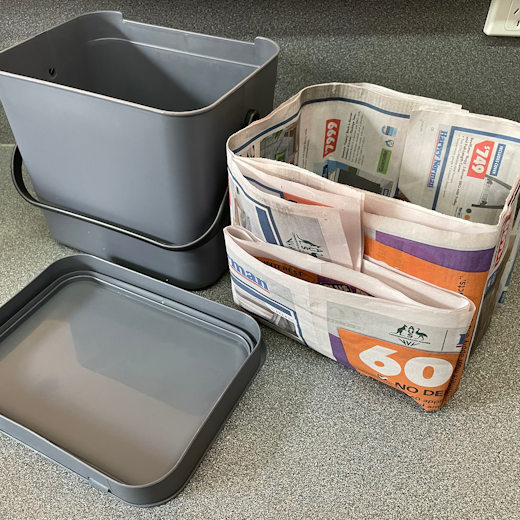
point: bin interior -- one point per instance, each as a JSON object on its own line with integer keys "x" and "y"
{"x": 152, "y": 66}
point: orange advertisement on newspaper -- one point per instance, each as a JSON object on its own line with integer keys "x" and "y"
{"x": 465, "y": 272}
{"x": 424, "y": 376}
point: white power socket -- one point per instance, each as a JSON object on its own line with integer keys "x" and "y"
{"x": 513, "y": 17}
{"x": 503, "y": 18}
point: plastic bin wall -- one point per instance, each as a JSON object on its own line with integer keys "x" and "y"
{"x": 127, "y": 122}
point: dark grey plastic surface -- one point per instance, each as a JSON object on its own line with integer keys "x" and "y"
{"x": 127, "y": 123}
{"x": 119, "y": 377}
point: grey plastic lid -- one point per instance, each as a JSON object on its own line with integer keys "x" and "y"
{"x": 121, "y": 378}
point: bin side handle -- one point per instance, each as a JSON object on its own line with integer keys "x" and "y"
{"x": 214, "y": 228}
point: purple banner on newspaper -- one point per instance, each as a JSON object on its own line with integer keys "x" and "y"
{"x": 339, "y": 351}
{"x": 468, "y": 261}
{"x": 340, "y": 286}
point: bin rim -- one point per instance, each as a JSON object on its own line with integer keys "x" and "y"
{"x": 172, "y": 113}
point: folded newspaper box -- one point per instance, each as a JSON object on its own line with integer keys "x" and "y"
{"x": 322, "y": 250}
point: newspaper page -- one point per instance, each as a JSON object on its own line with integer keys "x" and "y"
{"x": 400, "y": 331}
{"x": 350, "y": 134}
{"x": 464, "y": 265}
{"x": 331, "y": 233}
{"x": 462, "y": 165}
{"x": 454, "y": 254}
{"x": 467, "y": 166}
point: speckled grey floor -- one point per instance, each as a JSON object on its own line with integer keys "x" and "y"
{"x": 310, "y": 439}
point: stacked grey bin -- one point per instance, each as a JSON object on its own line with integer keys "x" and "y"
{"x": 122, "y": 127}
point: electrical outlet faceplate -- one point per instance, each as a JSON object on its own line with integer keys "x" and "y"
{"x": 503, "y": 18}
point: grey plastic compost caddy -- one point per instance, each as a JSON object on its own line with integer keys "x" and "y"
{"x": 122, "y": 127}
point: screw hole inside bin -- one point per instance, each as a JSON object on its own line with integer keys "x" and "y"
{"x": 52, "y": 72}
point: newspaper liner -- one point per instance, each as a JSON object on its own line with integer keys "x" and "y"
{"x": 467, "y": 257}
{"x": 320, "y": 304}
